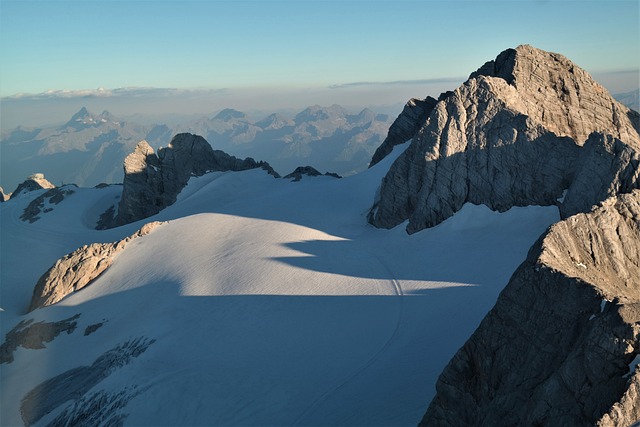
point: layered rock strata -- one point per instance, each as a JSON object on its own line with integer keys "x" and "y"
{"x": 153, "y": 181}
{"x": 78, "y": 269}
{"x": 511, "y": 135}
{"x": 561, "y": 346}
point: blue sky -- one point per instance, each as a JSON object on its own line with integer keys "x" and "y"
{"x": 271, "y": 47}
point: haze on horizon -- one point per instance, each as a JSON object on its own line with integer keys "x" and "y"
{"x": 196, "y": 57}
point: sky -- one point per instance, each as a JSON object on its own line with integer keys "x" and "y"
{"x": 270, "y": 55}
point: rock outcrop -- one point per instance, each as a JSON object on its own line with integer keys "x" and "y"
{"x": 3, "y": 197}
{"x": 405, "y": 126}
{"x": 297, "y": 174}
{"x": 153, "y": 181}
{"x": 562, "y": 344}
{"x": 37, "y": 207}
{"x": 78, "y": 269}
{"x": 28, "y": 334}
{"x": 34, "y": 182}
{"x": 511, "y": 135}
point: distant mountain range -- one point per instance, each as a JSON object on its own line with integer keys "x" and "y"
{"x": 90, "y": 148}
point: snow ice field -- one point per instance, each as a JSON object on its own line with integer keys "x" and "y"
{"x": 266, "y": 302}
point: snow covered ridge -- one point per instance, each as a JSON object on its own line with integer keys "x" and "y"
{"x": 270, "y": 303}
{"x": 266, "y": 302}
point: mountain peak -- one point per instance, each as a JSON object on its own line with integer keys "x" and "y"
{"x": 230, "y": 114}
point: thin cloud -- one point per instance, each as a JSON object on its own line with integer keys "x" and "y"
{"x": 399, "y": 82}
{"x": 112, "y": 93}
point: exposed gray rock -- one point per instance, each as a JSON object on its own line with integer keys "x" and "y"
{"x": 511, "y": 135}
{"x": 559, "y": 346}
{"x": 153, "y": 182}
{"x": 31, "y": 335}
{"x": 37, "y": 206}
{"x": 405, "y": 126}
{"x": 606, "y": 167}
{"x": 34, "y": 182}
{"x": 78, "y": 269}
{"x": 561, "y": 96}
{"x": 297, "y": 174}
{"x": 74, "y": 385}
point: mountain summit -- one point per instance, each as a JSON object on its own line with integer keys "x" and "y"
{"x": 518, "y": 132}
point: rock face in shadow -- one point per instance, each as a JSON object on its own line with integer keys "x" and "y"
{"x": 511, "y": 135}
{"x": 27, "y": 334}
{"x": 153, "y": 181}
{"x": 34, "y": 182}
{"x": 405, "y": 126}
{"x": 78, "y": 269}
{"x": 561, "y": 345}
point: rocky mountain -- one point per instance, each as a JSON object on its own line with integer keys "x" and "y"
{"x": 561, "y": 345}
{"x": 513, "y": 134}
{"x": 153, "y": 181}
{"x": 261, "y": 301}
{"x": 329, "y": 138}
{"x": 32, "y": 183}
{"x": 89, "y": 148}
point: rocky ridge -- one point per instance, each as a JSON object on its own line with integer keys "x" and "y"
{"x": 300, "y": 171}
{"x": 78, "y": 269}
{"x": 405, "y": 126}
{"x": 561, "y": 346}
{"x": 511, "y": 135}
{"x": 34, "y": 182}
{"x": 153, "y": 181}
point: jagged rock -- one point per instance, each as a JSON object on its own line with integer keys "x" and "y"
{"x": 561, "y": 345}
{"x": 3, "y": 197}
{"x": 78, "y": 269}
{"x": 36, "y": 207}
{"x": 606, "y": 167}
{"x": 152, "y": 182}
{"x": 511, "y": 135}
{"x": 309, "y": 171}
{"x": 97, "y": 408}
{"x": 34, "y": 182}
{"x": 31, "y": 335}
{"x": 405, "y": 126}
{"x": 561, "y": 96}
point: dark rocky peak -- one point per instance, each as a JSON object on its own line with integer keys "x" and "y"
{"x": 229, "y": 114}
{"x": 153, "y": 181}
{"x": 405, "y": 126}
{"x": 300, "y": 171}
{"x": 37, "y": 181}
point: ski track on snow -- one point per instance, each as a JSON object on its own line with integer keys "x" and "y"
{"x": 397, "y": 289}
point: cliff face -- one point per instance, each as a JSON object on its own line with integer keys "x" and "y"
{"x": 561, "y": 345}
{"x": 153, "y": 181}
{"x": 511, "y": 135}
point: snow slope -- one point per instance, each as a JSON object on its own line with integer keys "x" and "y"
{"x": 260, "y": 302}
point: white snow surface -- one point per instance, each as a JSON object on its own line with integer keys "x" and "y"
{"x": 270, "y": 302}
